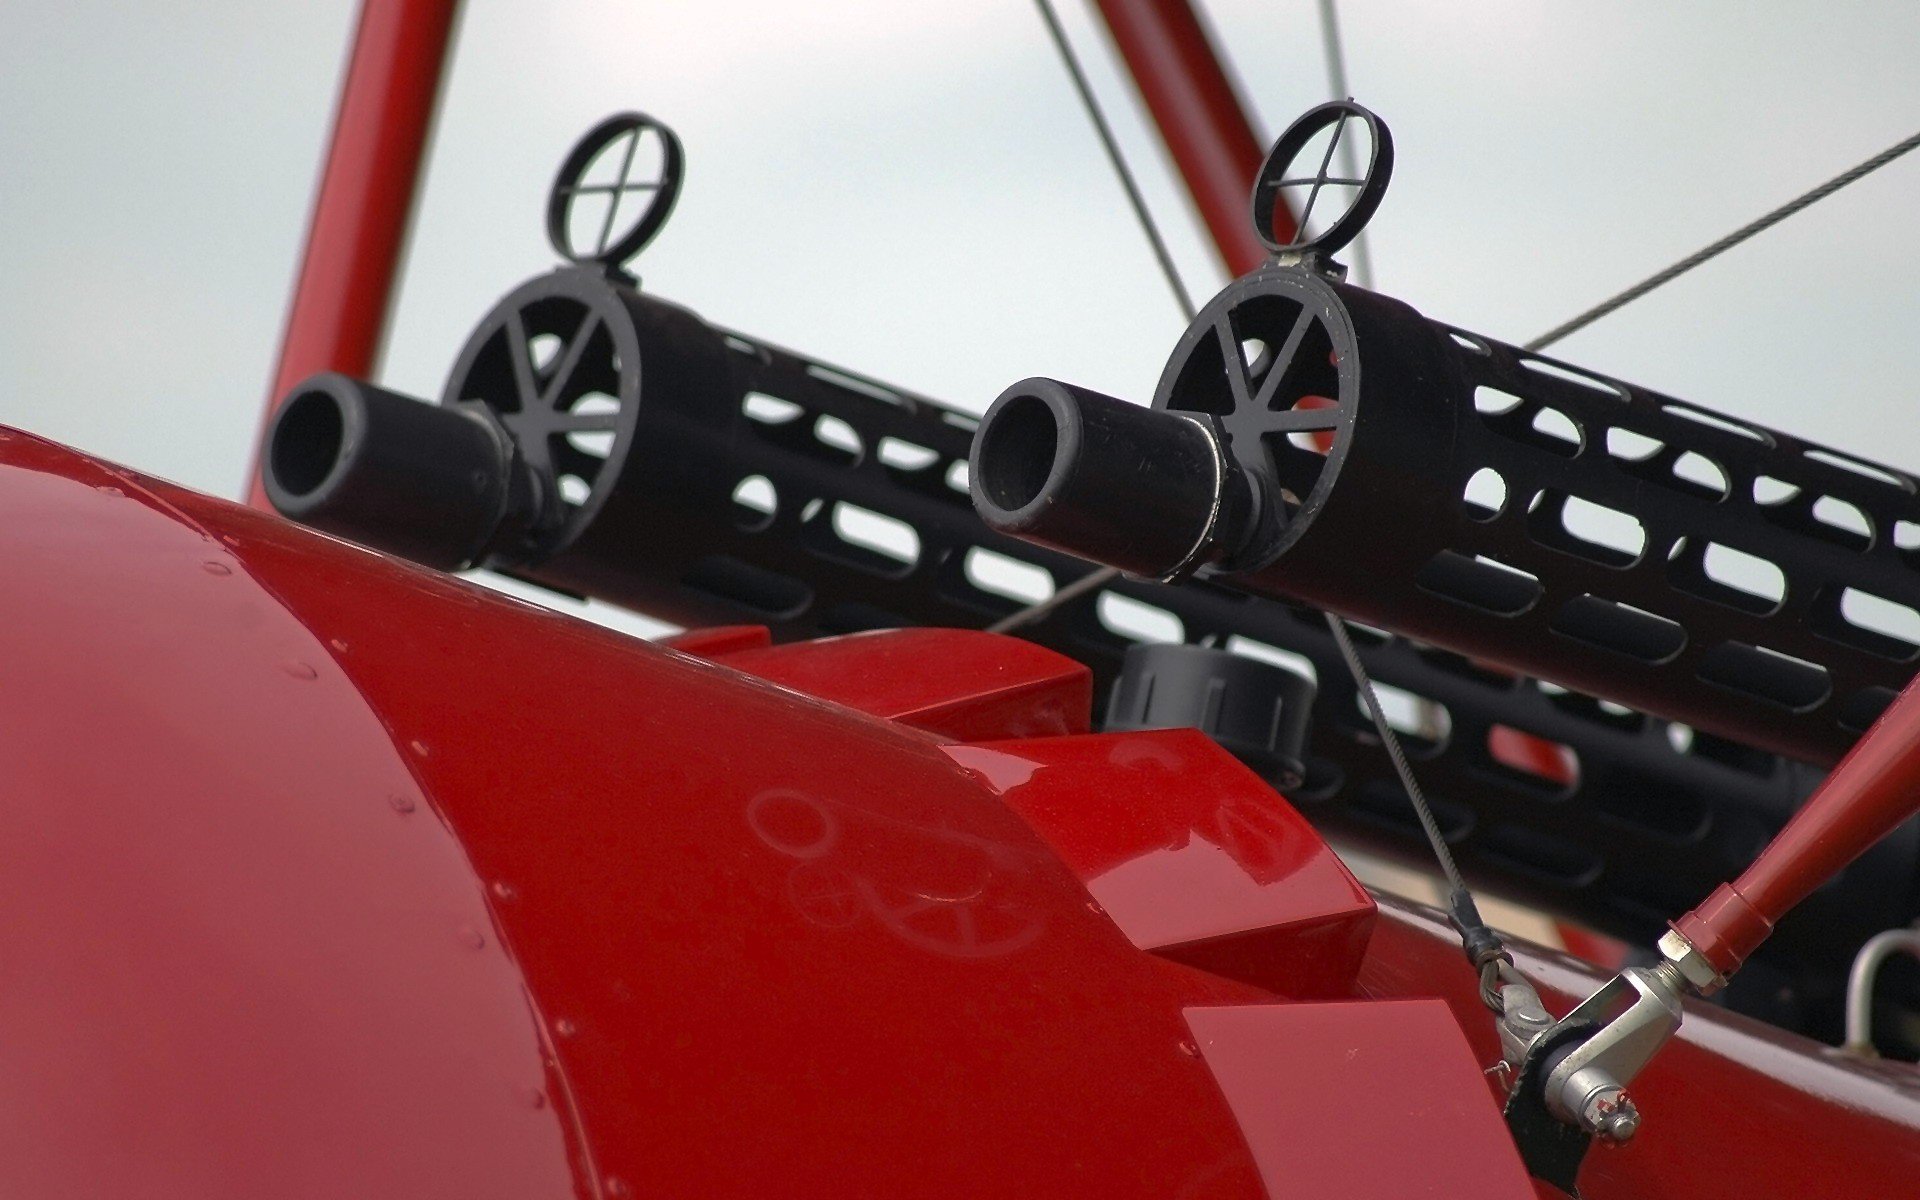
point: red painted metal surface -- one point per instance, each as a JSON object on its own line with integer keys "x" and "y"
{"x": 961, "y": 684}
{"x": 367, "y": 188}
{"x": 1872, "y": 790}
{"x": 327, "y": 875}
{"x": 245, "y": 955}
{"x": 1731, "y": 1107}
{"x": 1607, "y": 953}
{"x": 1443, "y": 1140}
{"x": 1200, "y": 116}
{"x": 1190, "y": 854}
{"x": 718, "y": 641}
{"x": 333, "y": 876}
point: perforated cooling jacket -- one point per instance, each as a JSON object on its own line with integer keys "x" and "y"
{"x": 1562, "y": 524}
{"x": 823, "y": 502}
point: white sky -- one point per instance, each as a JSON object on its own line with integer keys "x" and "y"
{"x": 910, "y": 190}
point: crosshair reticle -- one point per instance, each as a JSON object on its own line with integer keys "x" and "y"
{"x": 608, "y": 217}
{"x": 1305, "y": 192}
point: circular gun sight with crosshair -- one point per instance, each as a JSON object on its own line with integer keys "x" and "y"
{"x": 1302, "y": 174}
{"x": 615, "y": 190}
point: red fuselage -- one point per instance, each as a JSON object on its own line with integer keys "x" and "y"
{"x": 327, "y": 875}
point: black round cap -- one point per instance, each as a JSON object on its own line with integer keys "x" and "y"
{"x": 1257, "y": 711}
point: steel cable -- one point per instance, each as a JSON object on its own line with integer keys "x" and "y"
{"x": 1660, "y": 278}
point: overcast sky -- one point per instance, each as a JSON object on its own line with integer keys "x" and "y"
{"x": 911, "y": 191}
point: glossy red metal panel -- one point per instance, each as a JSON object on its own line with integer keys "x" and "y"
{"x": 365, "y": 198}
{"x": 759, "y": 944}
{"x": 1191, "y": 854}
{"x": 718, "y": 641}
{"x": 1395, "y": 1100}
{"x": 961, "y": 684}
{"x": 773, "y": 936}
{"x": 244, "y": 956}
{"x": 1607, "y": 953}
{"x": 1200, "y": 117}
{"x": 1731, "y": 1107}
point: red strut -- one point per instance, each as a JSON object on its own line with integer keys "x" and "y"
{"x": 1875, "y": 788}
{"x": 367, "y": 189}
{"x": 1200, "y": 116}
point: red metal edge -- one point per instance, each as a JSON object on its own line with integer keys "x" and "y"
{"x": 718, "y": 641}
{"x": 960, "y": 684}
{"x": 1607, "y": 953}
{"x": 1200, "y": 115}
{"x": 1193, "y": 856}
{"x": 367, "y": 188}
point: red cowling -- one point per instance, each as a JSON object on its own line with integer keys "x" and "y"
{"x": 325, "y": 875}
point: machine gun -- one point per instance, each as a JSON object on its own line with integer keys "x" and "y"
{"x": 1320, "y": 443}
{"x": 598, "y": 440}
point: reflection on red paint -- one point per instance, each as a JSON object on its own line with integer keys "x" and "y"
{"x": 1523, "y": 752}
{"x": 1192, "y": 855}
{"x": 1322, "y": 438}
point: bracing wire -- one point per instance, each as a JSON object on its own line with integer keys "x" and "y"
{"x": 1660, "y": 278}
{"x": 1034, "y": 612}
{"x": 1390, "y": 741}
{"x": 1337, "y": 82}
{"x": 1119, "y": 162}
{"x": 1484, "y": 947}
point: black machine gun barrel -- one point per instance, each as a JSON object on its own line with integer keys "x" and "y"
{"x": 1528, "y": 514}
{"x": 1058, "y": 452}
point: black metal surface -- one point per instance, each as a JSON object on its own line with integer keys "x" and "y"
{"x": 1257, "y": 710}
{"x": 1053, "y": 452}
{"x": 429, "y": 484}
{"x": 1557, "y": 523}
{"x": 1292, "y": 183}
{"x": 632, "y": 162}
{"x": 596, "y": 385}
